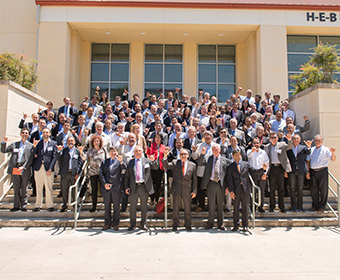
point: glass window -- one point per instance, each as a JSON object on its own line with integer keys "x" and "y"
{"x": 296, "y": 60}
{"x": 163, "y": 68}
{"x": 331, "y": 40}
{"x": 216, "y": 70}
{"x": 301, "y": 43}
{"x": 110, "y": 69}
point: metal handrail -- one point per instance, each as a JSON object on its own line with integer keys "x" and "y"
{"x": 4, "y": 177}
{"x": 77, "y": 209}
{"x": 75, "y": 185}
{"x": 165, "y": 199}
{"x": 253, "y": 197}
{"x": 336, "y": 195}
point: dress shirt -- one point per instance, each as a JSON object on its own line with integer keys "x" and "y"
{"x": 173, "y": 137}
{"x": 67, "y": 111}
{"x": 257, "y": 159}
{"x": 251, "y": 100}
{"x": 45, "y": 144}
{"x": 185, "y": 166}
{"x": 288, "y": 113}
{"x": 22, "y": 147}
{"x": 319, "y": 158}
{"x": 275, "y": 157}
{"x": 204, "y": 120}
{"x": 140, "y": 169}
{"x": 294, "y": 149}
{"x": 71, "y": 152}
{"x": 276, "y": 125}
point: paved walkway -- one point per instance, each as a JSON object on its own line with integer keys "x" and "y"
{"x": 276, "y": 253}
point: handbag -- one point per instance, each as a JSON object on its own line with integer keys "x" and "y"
{"x": 160, "y": 206}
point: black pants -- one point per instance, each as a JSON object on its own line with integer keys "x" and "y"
{"x": 244, "y": 198}
{"x": 215, "y": 200}
{"x": 276, "y": 179}
{"x": 143, "y": 194}
{"x": 319, "y": 189}
{"x": 20, "y": 183}
{"x": 94, "y": 185}
{"x": 157, "y": 176}
{"x": 187, "y": 209}
{"x": 111, "y": 197}
{"x": 296, "y": 180}
{"x": 257, "y": 178}
{"x": 66, "y": 181}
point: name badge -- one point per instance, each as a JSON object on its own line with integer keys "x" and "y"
{"x": 278, "y": 151}
{"x": 147, "y": 165}
{"x": 16, "y": 151}
{"x": 49, "y": 149}
{"x": 75, "y": 156}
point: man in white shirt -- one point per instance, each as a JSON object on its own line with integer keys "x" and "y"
{"x": 120, "y": 135}
{"x": 258, "y": 167}
{"x": 317, "y": 163}
{"x": 286, "y": 111}
{"x": 278, "y": 123}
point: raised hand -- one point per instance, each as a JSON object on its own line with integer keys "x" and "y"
{"x": 97, "y": 88}
{"x": 308, "y": 143}
{"x": 35, "y": 143}
{"x": 219, "y": 121}
{"x": 253, "y": 149}
{"x": 151, "y": 157}
{"x": 305, "y": 118}
{"x": 232, "y": 195}
{"x": 332, "y": 150}
{"x": 194, "y": 148}
{"x": 204, "y": 149}
{"x": 81, "y": 149}
{"x": 264, "y": 166}
{"x": 5, "y": 139}
{"x": 72, "y": 104}
{"x": 120, "y": 159}
{"x": 39, "y": 109}
{"x": 166, "y": 152}
{"x": 288, "y": 137}
{"x": 240, "y": 89}
{"x": 161, "y": 95}
{"x": 86, "y": 98}
{"x": 24, "y": 116}
{"x": 59, "y": 147}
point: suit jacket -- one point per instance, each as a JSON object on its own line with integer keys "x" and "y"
{"x": 240, "y": 136}
{"x": 130, "y": 176}
{"x": 126, "y": 153}
{"x": 112, "y": 174}
{"x": 64, "y": 157}
{"x": 208, "y": 169}
{"x": 237, "y": 180}
{"x": 298, "y": 163}
{"x": 48, "y": 158}
{"x": 60, "y": 138}
{"x": 27, "y": 158}
{"x": 182, "y": 184}
{"x": 187, "y": 144}
{"x": 229, "y": 152}
{"x": 23, "y": 124}
{"x": 239, "y": 117}
{"x": 73, "y": 112}
{"x": 35, "y": 136}
{"x": 282, "y": 149}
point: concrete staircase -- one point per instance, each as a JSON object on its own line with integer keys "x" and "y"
{"x": 87, "y": 219}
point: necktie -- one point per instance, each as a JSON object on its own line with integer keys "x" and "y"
{"x": 137, "y": 171}
{"x": 233, "y": 132}
{"x": 183, "y": 168}
{"x": 217, "y": 168}
{"x": 238, "y": 167}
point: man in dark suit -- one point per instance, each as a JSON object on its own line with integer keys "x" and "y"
{"x": 70, "y": 165}
{"x": 240, "y": 188}
{"x": 159, "y": 130}
{"x": 19, "y": 167}
{"x": 214, "y": 180}
{"x": 184, "y": 186}
{"x": 192, "y": 140}
{"x": 239, "y": 134}
{"x": 111, "y": 175}
{"x": 69, "y": 110}
{"x": 65, "y": 134}
{"x": 37, "y": 135}
{"x": 237, "y": 114}
{"x": 32, "y": 126}
{"x": 279, "y": 165}
{"x": 45, "y": 154}
{"x": 138, "y": 183}
{"x": 298, "y": 160}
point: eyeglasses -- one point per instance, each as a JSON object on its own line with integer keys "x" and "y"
{"x": 183, "y": 154}
{"x": 273, "y": 137}
{"x": 25, "y": 133}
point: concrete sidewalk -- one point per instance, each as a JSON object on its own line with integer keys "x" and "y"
{"x": 269, "y": 253}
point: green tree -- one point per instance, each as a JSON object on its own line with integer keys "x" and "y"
{"x": 320, "y": 69}
{"x": 18, "y": 69}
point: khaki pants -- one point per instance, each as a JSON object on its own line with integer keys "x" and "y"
{"x": 42, "y": 179}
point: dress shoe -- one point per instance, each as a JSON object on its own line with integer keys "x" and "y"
{"x": 271, "y": 210}
{"x": 301, "y": 210}
{"x": 294, "y": 210}
{"x": 14, "y": 209}
{"x": 199, "y": 209}
{"x": 246, "y": 229}
{"x": 33, "y": 195}
{"x": 312, "y": 209}
{"x": 261, "y": 210}
{"x": 221, "y": 228}
{"x": 143, "y": 227}
{"x": 207, "y": 227}
{"x": 23, "y": 209}
{"x": 63, "y": 208}
{"x": 283, "y": 211}
{"x": 93, "y": 210}
{"x": 235, "y": 229}
{"x": 106, "y": 227}
{"x": 188, "y": 229}
{"x": 321, "y": 210}
{"x": 174, "y": 228}
{"x": 122, "y": 210}
{"x": 227, "y": 210}
{"x": 131, "y": 228}
{"x": 115, "y": 228}
{"x": 50, "y": 209}
{"x": 36, "y": 209}
{"x": 59, "y": 195}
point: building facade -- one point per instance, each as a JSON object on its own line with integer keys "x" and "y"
{"x": 158, "y": 46}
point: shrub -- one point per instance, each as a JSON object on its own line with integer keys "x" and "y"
{"x": 18, "y": 69}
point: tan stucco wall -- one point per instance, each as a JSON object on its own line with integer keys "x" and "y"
{"x": 190, "y": 69}
{"x": 271, "y": 49}
{"x": 136, "y": 68}
{"x": 320, "y": 105}
{"x": 54, "y": 61}
{"x": 18, "y": 29}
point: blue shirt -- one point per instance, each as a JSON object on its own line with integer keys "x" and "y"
{"x": 71, "y": 152}
{"x": 22, "y": 147}
{"x": 319, "y": 158}
{"x": 140, "y": 169}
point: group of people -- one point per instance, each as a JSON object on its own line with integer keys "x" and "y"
{"x": 208, "y": 150}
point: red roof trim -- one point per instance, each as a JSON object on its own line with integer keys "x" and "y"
{"x": 187, "y": 5}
